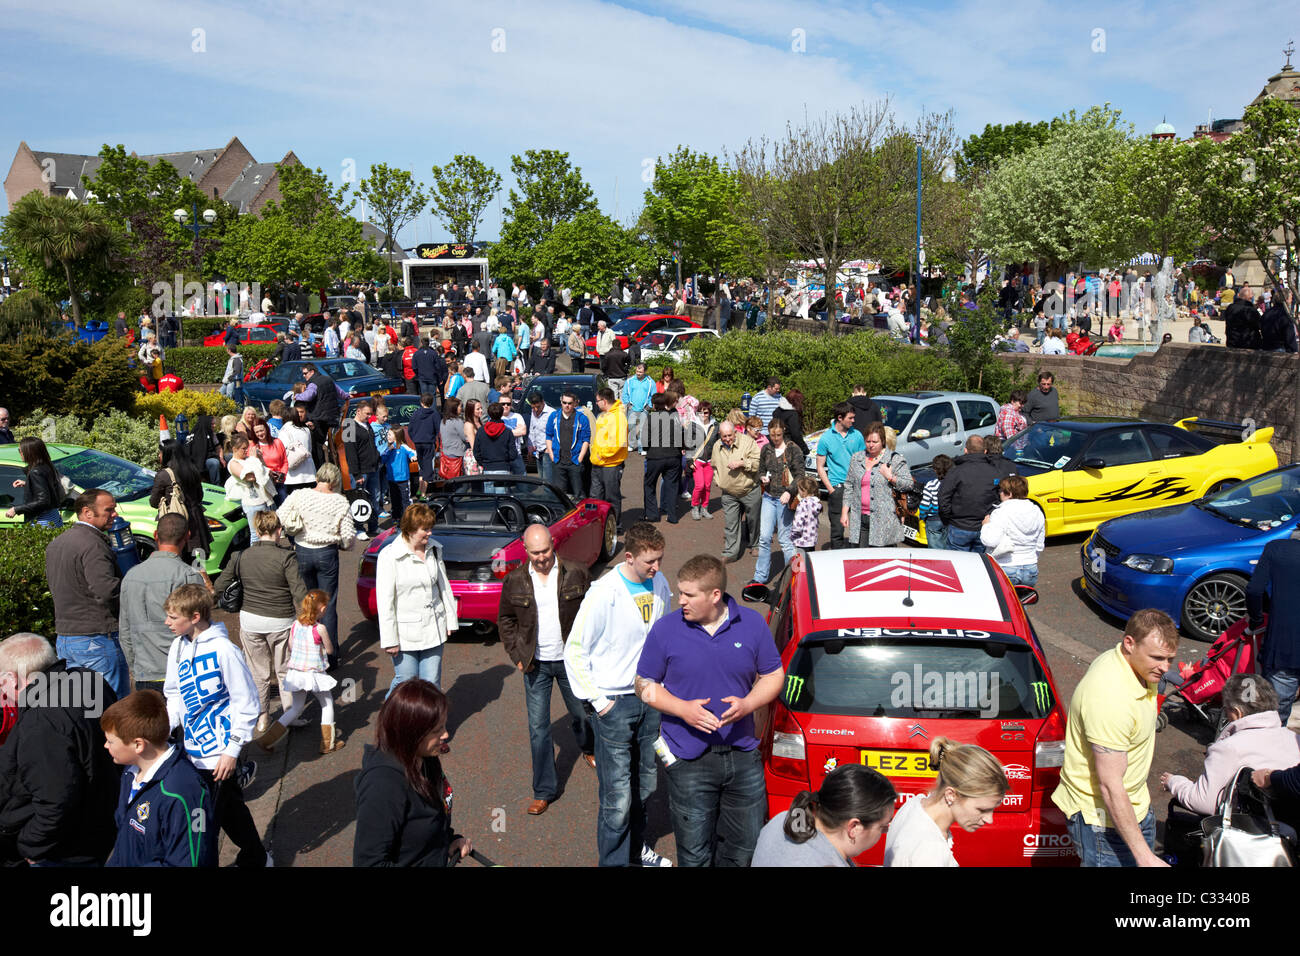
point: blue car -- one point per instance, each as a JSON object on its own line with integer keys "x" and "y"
{"x": 353, "y": 377}
{"x": 1192, "y": 561}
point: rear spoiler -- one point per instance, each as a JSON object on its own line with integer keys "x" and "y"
{"x": 1247, "y": 432}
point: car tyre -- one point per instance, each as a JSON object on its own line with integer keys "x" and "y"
{"x": 609, "y": 538}
{"x": 144, "y": 546}
{"x": 1213, "y": 605}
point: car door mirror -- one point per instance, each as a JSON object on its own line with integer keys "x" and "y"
{"x": 921, "y": 434}
{"x": 756, "y": 593}
{"x": 1026, "y": 595}
{"x": 1094, "y": 463}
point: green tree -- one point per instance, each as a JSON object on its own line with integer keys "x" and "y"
{"x": 970, "y": 342}
{"x": 983, "y": 151}
{"x": 462, "y": 190}
{"x": 589, "y": 253}
{"x": 1046, "y": 202}
{"x": 394, "y": 198}
{"x": 60, "y": 232}
{"x": 551, "y": 192}
{"x": 693, "y": 202}
{"x": 1252, "y": 192}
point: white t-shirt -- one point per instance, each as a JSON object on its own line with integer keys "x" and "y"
{"x": 550, "y": 639}
{"x": 916, "y": 840}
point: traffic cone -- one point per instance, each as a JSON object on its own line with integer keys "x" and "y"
{"x": 163, "y": 433}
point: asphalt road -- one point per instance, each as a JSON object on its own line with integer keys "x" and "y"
{"x": 303, "y": 802}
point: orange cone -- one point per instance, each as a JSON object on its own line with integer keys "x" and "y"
{"x": 163, "y": 433}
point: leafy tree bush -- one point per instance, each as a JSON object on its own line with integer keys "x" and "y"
{"x": 200, "y": 327}
{"x": 28, "y": 312}
{"x": 116, "y": 433}
{"x": 190, "y": 401}
{"x": 66, "y": 376}
{"x": 206, "y": 364}
{"x": 131, "y": 300}
{"x": 25, "y": 601}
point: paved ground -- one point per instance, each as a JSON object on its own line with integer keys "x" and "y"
{"x": 304, "y": 804}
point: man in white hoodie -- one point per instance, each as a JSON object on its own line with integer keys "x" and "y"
{"x": 1014, "y": 533}
{"x": 600, "y": 658}
{"x": 212, "y": 698}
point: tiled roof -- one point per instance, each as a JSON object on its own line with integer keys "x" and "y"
{"x": 248, "y": 184}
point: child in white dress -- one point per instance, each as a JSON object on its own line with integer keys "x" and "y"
{"x": 309, "y": 643}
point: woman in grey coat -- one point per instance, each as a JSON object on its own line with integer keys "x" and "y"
{"x": 889, "y": 473}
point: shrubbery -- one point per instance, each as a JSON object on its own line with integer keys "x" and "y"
{"x": 28, "y": 312}
{"x": 66, "y": 377}
{"x": 201, "y": 326}
{"x": 116, "y": 433}
{"x": 25, "y": 602}
{"x": 206, "y": 364}
{"x": 130, "y": 300}
{"x": 193, "y": 403}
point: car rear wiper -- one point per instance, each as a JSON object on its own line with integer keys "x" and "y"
{"x": 1031, "y": 461}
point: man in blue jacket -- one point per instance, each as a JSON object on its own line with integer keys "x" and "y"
{"x": 1279, "y": 658}
{"x": 164, "y": 810}
{"x": 568, "y": 441}
{"x": 430, "y": 370}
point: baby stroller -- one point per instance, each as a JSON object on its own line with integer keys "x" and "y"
{"x": 1199, "y": 686}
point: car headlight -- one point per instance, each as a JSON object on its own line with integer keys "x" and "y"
{"x": 215, "y": 525}
{"x": 1151, "y": 563}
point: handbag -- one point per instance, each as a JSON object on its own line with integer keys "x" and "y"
{"x": 231, "y": 597}
{"x": 449, "y": 466}
{"x": 1244, "y": 832}
{"x": 174, "y": 503}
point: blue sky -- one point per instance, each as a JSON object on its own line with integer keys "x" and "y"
{"x": 614, "y": 84}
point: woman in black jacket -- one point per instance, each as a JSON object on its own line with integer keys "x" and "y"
{"x": 792, "y": 418}
{"x": 44, "y": 488}
{"x": 403, "y": 799}
{"x": 177, "y": 469}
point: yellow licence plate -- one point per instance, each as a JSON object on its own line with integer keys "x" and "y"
{"x": 899, "y": 763}
{"x": 380, "y": 391}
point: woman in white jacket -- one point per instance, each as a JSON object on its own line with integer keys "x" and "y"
{"x": 417, "y": 611}
{"x": 1014, "y": 533}
{"x": 250, "y": 482}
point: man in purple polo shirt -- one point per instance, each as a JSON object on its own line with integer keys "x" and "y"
{"x": 707, "y": 668}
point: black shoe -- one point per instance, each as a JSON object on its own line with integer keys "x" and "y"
{"x": 246, "y": 773}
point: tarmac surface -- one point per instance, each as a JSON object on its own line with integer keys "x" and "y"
{"x": 303, "y": 802}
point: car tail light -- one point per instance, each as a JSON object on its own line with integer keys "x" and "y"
{"x": 1049, "y": 751}
{"x": 789, "y": 756}
{"x": 500, "y": 567}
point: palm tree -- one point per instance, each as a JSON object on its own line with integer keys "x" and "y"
{"x": 55, "y": 229}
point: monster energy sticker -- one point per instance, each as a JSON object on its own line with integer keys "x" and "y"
{"x": 1042, "y": 695}
{"x": 793, "y": 689}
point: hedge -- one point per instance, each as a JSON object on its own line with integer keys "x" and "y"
{"x": 130, "y": 300}
{"x": 205, "y": 364}
{"x": 116, "y": 433}
{"x": 25, "y": 602}
{"x": 201, "y": 326}
{"x": 63, "y": 376}
{"x": 193, "y": 403}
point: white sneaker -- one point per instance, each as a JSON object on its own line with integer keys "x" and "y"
{"x": 650, "y": 858}
{"x": 362, "y": 536}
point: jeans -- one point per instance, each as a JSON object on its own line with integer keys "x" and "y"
{"x": 230, "y": 814}
{"x": 425, "y": 664}
{"x": 775, "y": 518}
{"x": 834, "y": 505}
{"x": 213, "y": 465}
{"x": 537, "y": 699}
{"x": 607, "y": 485}
{"x": 249, "y": 512}
{"x": 636, "y": 422}
{"x": 625, "y": 767}
{"x": 703, "y": 482}
{"x": 959, "y": 539}
{"x": 399, "y": 497}
{"x": 1103, "y": 846}
{"x": 97, "y": 652}
{"x": 545, "y": 467}
{"x": 50, "y": 519}
{"x": 517, "y": 466}
{"x": 1022, "y": 573}
{"x": 427, "y": 386}
{"x": 718, "y": 802}
{"x": 732, "y": 508}
{"x": 319, "y": 568}
{"x": 1285, "y": 682}
{"x": 936, "y": 534}
{"x": 568, "y": 478}
{"x": 372, "y": 489}
{"x": 669, "y": 469}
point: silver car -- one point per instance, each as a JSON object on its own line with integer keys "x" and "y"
{"x": 928, "y": 424}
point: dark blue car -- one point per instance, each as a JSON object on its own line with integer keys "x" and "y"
{"x": 1192, "y": 561}
{"x": 353, "y": 377}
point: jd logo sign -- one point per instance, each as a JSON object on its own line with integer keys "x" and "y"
{"x": 361, "y": 510}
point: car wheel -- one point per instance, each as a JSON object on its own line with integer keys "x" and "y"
{"x": 1213, "y": 605}
{"x": 1215, "y": 488}
{"x": 144, "y": 546}
{"x": 609, "y": 538}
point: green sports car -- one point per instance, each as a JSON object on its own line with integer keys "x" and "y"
{"x": 130, "y": 485}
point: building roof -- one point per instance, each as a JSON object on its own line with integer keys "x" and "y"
{"x": 190, "y": 164}
{"x": 378, "y": 238}
{"x": 248, "y": 184}
{"x": 1283, "y": 85}
{"x": 68, "y": 169}
{"x": 1163, "y": 129}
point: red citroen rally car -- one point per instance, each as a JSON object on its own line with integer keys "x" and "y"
{"x": 886, "y": 649}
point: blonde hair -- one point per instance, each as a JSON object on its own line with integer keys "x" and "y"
{"x": 737, "y": 418}
{"x": 891, "y": 438}
{"x": 968, "y": 769}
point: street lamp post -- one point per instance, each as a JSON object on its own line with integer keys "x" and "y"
{"x": 209, "y": 218}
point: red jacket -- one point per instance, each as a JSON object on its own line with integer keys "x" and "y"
{"x": 407, "y": 370}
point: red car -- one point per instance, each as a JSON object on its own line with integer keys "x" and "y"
{"x": 480, "y": 525}
{"x": 886, "y": 649}
{"x": 637, "y": 327}
{"x": 248, "y": 335}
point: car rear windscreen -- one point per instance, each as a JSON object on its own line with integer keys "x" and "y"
{"x": 917, "y": 677}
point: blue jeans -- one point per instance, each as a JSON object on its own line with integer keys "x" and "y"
{"x": 1022, "y": 574}
{"x": 545, "y": 467}
{"x": 1285, "y": 682}
{"x": 517, "y": 467}
{"x": 97, "y": 652}
{"x": 718, "y": 802}
{"x": 427, "y": 386}
{"x": 936, "y": 534}
{"x": 249, "y": 511}
{"x": 636, "y": 422}
{"x": 960, "y": 539}
{"x": 373, "y": 491}
{"x": 568, "y": 478}
{"x": 625, "y": 766}
{"x": 775, "y": 517}
{"x": 537, "y": 699}
{"x": 425, "y": 664}
{"x": 1103, "y": 846}
{"x": 213, "y": 465}
{"x": 319, "y": 568}
{"x": 669, "y": 470}
{"x": 50, "y": 519}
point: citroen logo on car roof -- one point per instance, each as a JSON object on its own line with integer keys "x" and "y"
{"x": 917, "y": 731}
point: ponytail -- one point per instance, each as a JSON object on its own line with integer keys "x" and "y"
{"x": 968, "y": 769}
{"x": 799, "y": 826}
{"x": 850, "y": 792}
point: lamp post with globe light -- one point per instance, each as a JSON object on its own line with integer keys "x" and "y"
{"x": 209, "y": 218}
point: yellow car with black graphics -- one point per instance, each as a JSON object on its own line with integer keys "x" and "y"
{"x": 1083, "y": 471}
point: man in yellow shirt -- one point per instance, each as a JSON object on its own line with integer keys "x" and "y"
{"x": 609, "y": 451}
{"x": 1110, "y": 739}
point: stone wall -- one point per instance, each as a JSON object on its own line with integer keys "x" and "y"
{"x": 1180, "y": 381}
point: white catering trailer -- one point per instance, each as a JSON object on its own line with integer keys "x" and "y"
{"x": 438, "y": 263}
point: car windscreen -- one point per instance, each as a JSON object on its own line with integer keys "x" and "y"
{"x": 348, "y": 368}
{"x": 552, "y": 390}
{"x": 1044, "y": 445}
{"x": 123, "y": 480}
{"x": 659, "y": 340}
{"x": 627, "y": 326}
{"x": 896, "y": 414}
{"x": 901, "y": 674}
{"x": 1267, "y": 500}
{"x": 501, "y": 486}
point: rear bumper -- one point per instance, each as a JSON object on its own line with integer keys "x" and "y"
{"x": 475, "y": 601}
